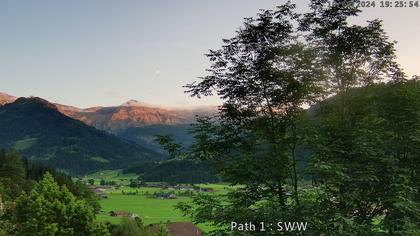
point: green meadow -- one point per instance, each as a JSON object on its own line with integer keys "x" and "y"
{"x": 150, "y": 210}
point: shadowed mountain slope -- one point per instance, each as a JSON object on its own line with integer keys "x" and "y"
{"x": 40, "y": 132}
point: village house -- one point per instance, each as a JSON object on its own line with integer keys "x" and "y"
{"x": 165, "y": 195}
{"x": 183, "y": 187}
{"x": 100, "y": 192}
{"x": 207, "y": 190}
{"x": 121, "y": 214}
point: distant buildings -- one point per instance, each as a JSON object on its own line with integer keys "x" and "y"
{"x": 100, "y": 192}
{"x": 122, "y": 214}
{"x": 207, "y": 190}
{"x": 180, "y": 229}
{"x": 165, "y": 195}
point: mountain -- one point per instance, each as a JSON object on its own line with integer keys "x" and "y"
{"x": 40, "y": 132}
{"x": 128, "y": 115}
{"x": 6, "y": 98}
{"x": 135, "y": 103}
{"x": 145, "y": 135}
{"x": 122, "y": 117}
{"x": 136, "y": 121}
{"x": 136, "y": 114}
{"x": 140, "y": 122}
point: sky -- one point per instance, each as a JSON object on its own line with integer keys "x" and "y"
{"x": 103, "y": 52}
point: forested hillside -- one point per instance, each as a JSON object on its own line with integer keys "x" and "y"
{"x": 37, "y": 130}
{"x": 31, "y": 192}
{"x": 175, "y": 171}
{"x": 145, "y": 136}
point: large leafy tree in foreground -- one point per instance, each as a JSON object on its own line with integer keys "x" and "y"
{"x": 52, "y": 210}
{"x": 365, "y": 167}
{"x": 276, "y": 64}
{"x": 358, "y": 142}
{"x": 264, "y": 75}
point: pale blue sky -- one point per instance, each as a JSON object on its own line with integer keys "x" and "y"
{"x": 99, "y": 52}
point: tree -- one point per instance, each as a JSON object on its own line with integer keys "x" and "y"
{"x": 366, "y": 167}
{"x": 52, "y": 210}
{"x": 134, "y": 183}
{"x": 12, "y": 174}
{"x": 167, "y": 142}
{"x": 351, "y": 55}
{"x": 265, "y": 75}
{"x": 91, "y": 181}
{"x": 399, "y": 107}
{"x": 130, "y": 227}
{"x": 81, "y": 191}
{"x": 350, "y": 156}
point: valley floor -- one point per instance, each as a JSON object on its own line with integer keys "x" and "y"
{"x": 141, "y": 202}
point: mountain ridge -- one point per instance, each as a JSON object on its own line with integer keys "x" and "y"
{"x": 6, "y": 98}
{"x": 37, "y": 129}
{"x": 130, "y": 114}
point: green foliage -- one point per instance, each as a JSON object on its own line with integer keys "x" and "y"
{"x": 351, "y": 55}
{"x": 175, "y": 171}
{"x": 52, "y": 210}
{"x": 362, "y": 136}
{"x": 12, "y": 174}
{"x": 6, "y": 227}
{"x": 17, "y": 176}
{"x": 167, "y": 142}
{"x": 161, "y": 231}
{"x": 130, "y": 227}
{"x": 264, "y": 75}
{"x": 145, "y": 136}
{"x": 366, "y": 158}
{"x": 91, "y": 181}
{"x": 36, "y": 172}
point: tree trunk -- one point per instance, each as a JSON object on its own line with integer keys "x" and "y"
{"x": 280, "y": 195}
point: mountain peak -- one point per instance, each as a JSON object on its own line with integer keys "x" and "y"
{"x": 36, "y": 101}
{"x": 134, "y": 103}
{"x": 55, "y": 139}
{"x": 6, "y": 98}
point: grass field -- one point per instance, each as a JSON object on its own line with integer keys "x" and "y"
{"x": 150, "y": 210}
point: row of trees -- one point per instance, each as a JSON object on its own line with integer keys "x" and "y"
{"x": 36, "y": 200}
{"x": 358, "y": 141}
{"x": 174, "y": 171}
